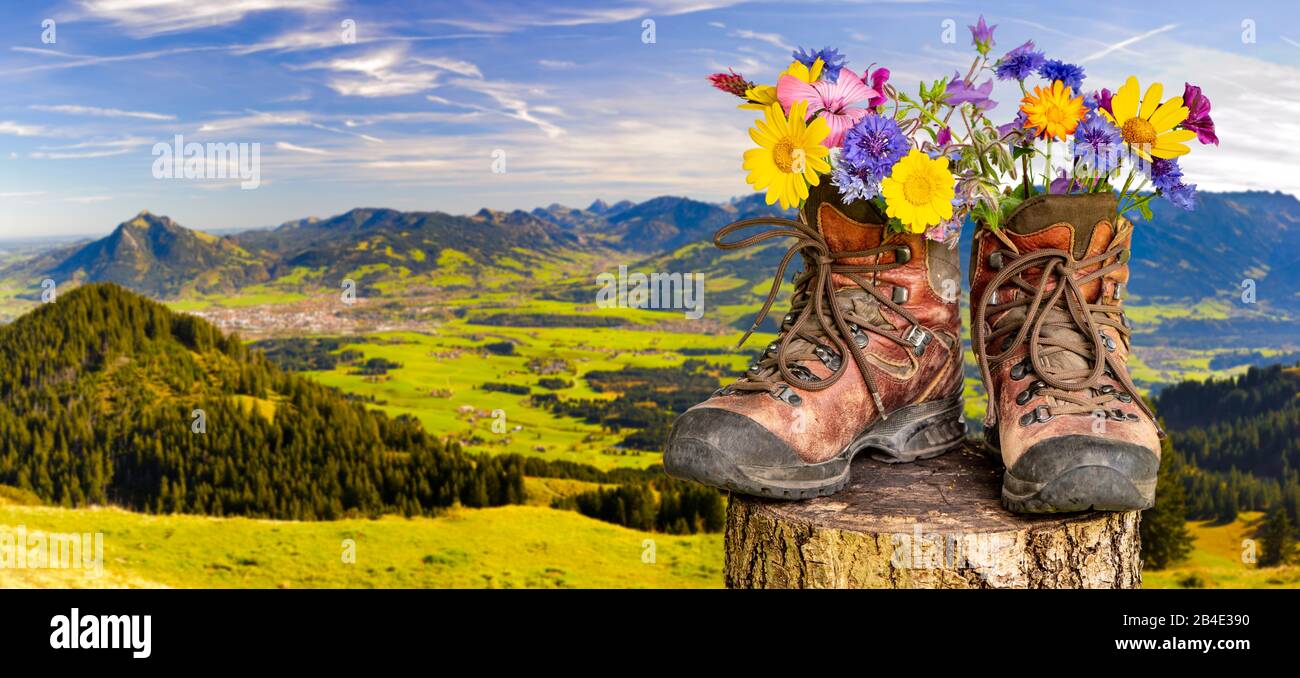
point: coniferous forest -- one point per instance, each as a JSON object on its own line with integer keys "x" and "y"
{"x": 107, "y": 397}
{"x": 1240, "y": 440}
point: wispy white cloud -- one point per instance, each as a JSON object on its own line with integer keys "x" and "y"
{"x": 20, "y": 130}
{"x": 456, "y": 66}
{"x": 286, "y": 146}
{"x": 154, "y": 17}
{"x": 80, "y": 60}
{"x": 773, "y": 39}
{"x": 1128, "y": 41}
{"x": 73, "y": 109}
{"x": 379, "y": 73}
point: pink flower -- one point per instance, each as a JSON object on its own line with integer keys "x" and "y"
{"x": 876, "y": 80}
{"x": 833, "y": 101}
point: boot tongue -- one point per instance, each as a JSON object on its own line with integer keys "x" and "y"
{"x": 1030, "y": 223}
{"x": 846, "y": 228}
{"x": 1062, "y": 360}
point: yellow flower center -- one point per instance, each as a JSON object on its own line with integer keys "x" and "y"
{"x": 783, "y": 155}
{"x": 1138, "y": 132}
{"x": 1056, "y": 115}
{"x": 917, "y": 189}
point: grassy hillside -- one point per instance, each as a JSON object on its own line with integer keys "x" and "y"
{"x": 1216, "y": 561}
{"x": 508, "y": 547}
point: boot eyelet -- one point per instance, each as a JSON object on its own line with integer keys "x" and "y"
{"x": 771, "y": 348}
{"x": 919, "y": 338}
{"x": 1118, "y": 414}
{"x": 1024, "y": 397}
{"x": 997, "y": 260}
{"x": 1124, "y": 397}
{"x": 1106, "y": 389}
{"x": 902, "y": 255}
{"x": 900, "y": 295}
{"x": 861, "y": 340}
{"x": 1132, "y": 417}
{"x": 1019, "y": 371}
{"x": 1107, "y": 341}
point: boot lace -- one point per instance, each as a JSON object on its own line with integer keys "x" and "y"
{"x": 820, "y": 318}
{"x": 1057, "y": 323}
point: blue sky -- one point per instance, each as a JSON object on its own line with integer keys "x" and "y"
{"x": 410, "y": 114}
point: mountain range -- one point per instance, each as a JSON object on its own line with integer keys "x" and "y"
{"x": 1232, "y": 241}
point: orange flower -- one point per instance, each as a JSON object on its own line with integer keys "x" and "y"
{"x": 1052, "y": 112}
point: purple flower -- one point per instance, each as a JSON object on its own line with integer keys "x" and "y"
{"x": 876, "y": 80}
{"x": 831, "y": 57}
{"x": 1062, "y": 184}
{"x": 1070, "y": 74}
{"x": 945, "y": 230}
{"x": 852, "y": 186}
{"x": 1019, "y": 125}
{"x": 870, "y": 149}
{"x": 959, "y": 92}
{"x": 1167, "y": 177}
{"x": 944, "y": 137}
{"x": 1103, "y": 100}
{"x": 1182, "y": 195}
{"x": 873, "y": 145}
{"x": 1165, "y": 173}
{"x": 1019, "y": 62}
{"x": 981, "y": 35}
{"x": 1198, "y": 117}
{"x": 1098, "y": 143}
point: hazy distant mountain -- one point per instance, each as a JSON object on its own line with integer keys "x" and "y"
{"x": 155, "y": 255}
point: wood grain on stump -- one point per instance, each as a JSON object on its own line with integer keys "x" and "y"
{"x": 937, "y": 523}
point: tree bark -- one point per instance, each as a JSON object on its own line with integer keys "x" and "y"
{"x": 937, "y": 523}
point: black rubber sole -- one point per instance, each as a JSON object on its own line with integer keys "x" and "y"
{"x": 1081, "y": 473}
{"x": 913, "y": 432}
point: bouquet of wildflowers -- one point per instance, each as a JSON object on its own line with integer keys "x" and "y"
{"x": 932, "y": 159}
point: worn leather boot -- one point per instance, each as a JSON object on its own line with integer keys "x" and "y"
{"x": 868, "y": 358}
{"x": 1052, "y": 341}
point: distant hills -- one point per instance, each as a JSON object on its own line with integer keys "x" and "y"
{"x": 1180, "y": 258}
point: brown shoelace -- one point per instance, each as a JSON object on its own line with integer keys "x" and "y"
{"x": 816, "y": 316}
{"x": 1069, "y": 318}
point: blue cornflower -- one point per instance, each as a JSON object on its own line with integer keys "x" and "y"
{"x": 832, "y": 59}
{"x": 1098, "y": 143}
{"x": 873, "y": 146}
{"x": 1070, "y": 74}
{"x": 1019, "y": 63}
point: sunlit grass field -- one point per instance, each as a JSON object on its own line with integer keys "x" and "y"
{"x": 1217, "y": 560}
{"x": 507, "y": 547}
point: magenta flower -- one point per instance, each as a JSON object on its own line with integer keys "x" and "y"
{"x": 876, "y": 80}
{"x": 1198, "y": 118}
{"x": 1103, "y": 100}
{"x": 944, "y": 138}
{"x": 832, "y": 101}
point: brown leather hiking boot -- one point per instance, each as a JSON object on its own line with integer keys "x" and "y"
{"x": 869, "y": 357}
{"x": 1050, "y": 334}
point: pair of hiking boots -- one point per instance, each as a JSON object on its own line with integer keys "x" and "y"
{"x": 870, "y": 359}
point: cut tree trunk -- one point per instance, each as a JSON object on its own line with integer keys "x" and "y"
{"x": 937, "y": 523}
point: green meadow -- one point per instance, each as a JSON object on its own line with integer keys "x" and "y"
{"x": 1219, "y": 559}
{"x": 507, "y": 547}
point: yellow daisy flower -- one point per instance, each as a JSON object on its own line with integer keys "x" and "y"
{"x": 762, "y": 96}
{"x": 790, "y": 154}
{"x": 919, "y": 191}
{"x": 1148, "y": 128}
{"x": 1052, "y": 112}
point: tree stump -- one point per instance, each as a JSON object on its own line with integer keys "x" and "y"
{"x": 937, "y": 523}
